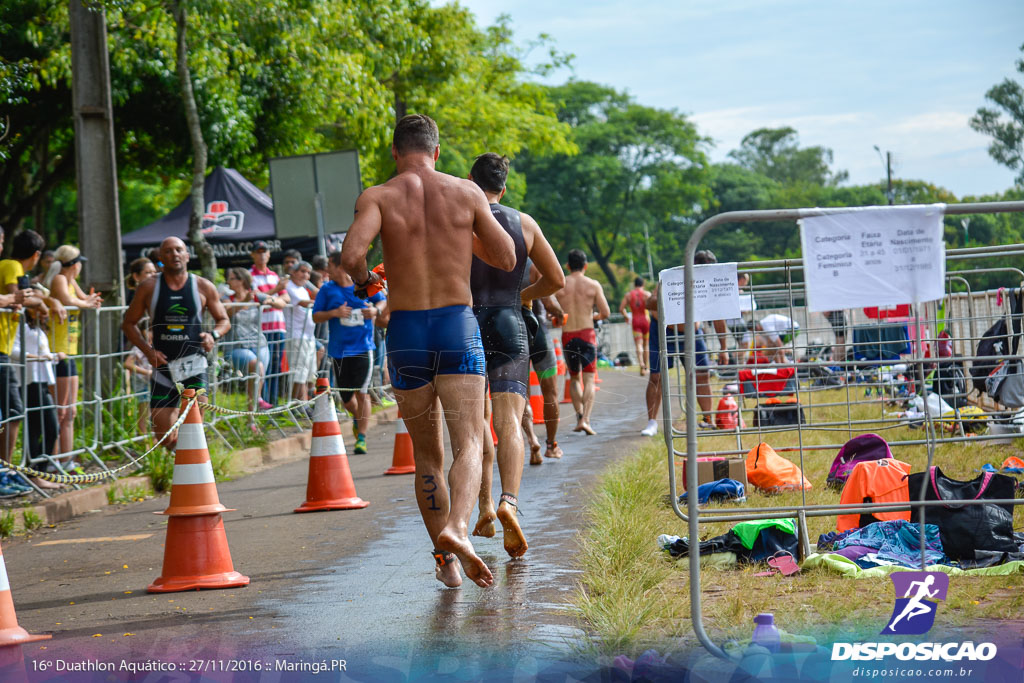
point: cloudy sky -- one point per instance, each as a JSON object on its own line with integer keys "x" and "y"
{"x": 903, "y": 75}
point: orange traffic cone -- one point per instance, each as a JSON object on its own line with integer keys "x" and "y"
{"x": 193, "y": 488}
{"x": 196, "y": 553}
{"x": 330, "y": 485}
{"x": 597, "y": 380}
{"x": 536, "y": 399}
{"x": 402, "y": 461}
{"x": 10, "y": 632}
{"x": 567, "y": 398}
{"x": 559, "y": 356}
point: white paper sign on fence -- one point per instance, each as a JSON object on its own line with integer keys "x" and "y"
{"x": 875, "y": 256}
{"x": 716, "y": 293}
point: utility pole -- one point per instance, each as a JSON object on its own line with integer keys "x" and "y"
{"x": 888, "y": 175}
{"x": 650, "y": 261}
{"x": 99, "y": 224}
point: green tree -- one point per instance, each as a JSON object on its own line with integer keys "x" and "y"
{"x": 475, "y": 83}
{"x": 636, "y": 165}
{"x": 776, "y": 154}
{"x": 1007, "y": 146}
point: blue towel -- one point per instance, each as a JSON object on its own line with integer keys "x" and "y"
{"x": 723, "y": 489}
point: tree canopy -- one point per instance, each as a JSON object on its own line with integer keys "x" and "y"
{"x": 1007, "y": 146}
{"x": 598, "y": 169}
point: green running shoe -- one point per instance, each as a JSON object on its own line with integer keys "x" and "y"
{"x": 360, "y": 448}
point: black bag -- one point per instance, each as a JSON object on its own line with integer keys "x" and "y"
{"x": 950, "y": 383}
{"x": 996, "y": 343}
{"x": 966, "y": 528}
{"x": 779, "y": 415}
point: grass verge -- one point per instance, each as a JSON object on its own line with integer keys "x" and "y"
{"x": 634, "y": 596}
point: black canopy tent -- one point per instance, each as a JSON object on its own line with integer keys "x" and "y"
{"x": 237, "y": 214}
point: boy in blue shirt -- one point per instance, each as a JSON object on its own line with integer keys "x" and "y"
{"x": 350, "y": 341}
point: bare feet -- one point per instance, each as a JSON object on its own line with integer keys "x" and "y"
{"x": 515, "y": 541}
{"x": 474, "y": 567}
{"x": 535, "y": 458}
{"x": 485, "y": 524}
{"x": 553, "y": 451}
{"x": 582, "y": 426}
{"x": 448, "y": 573}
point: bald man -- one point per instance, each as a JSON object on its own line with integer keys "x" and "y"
{"x": 174, "y": 300}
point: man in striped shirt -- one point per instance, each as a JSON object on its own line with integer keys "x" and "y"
{"x": 265, "y": 280}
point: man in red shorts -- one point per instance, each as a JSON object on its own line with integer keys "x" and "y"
{"x": 579, "y": 299}
{"x": 635, "y": 302}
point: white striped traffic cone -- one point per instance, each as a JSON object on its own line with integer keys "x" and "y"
{"x": 536, "y": 399}
{"x": 193, "y": 488}
{"x": 196, "y": 553}
{"x": 330, "y": 485}
{"x": 10, "y": 632}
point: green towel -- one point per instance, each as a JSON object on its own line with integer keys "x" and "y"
{"x": 849, "y": 569}
{"x": 748, "y": 531}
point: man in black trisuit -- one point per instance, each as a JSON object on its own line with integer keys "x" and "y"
{"x": 542, "y": 356}
{"x": 497, "y": 303}
{"x": 174, "y": 300}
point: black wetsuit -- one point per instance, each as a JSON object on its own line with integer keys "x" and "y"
{"x": 498, "y": 311}
{"x": 542, "y": 354}
{"x": 177, "y": 322}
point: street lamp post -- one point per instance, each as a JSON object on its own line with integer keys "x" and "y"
{"x": 887, "y": 161}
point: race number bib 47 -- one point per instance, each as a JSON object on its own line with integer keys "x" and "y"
{"x": 187, "y": 367}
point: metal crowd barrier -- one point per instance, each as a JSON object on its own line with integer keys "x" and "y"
{"x": 107, "y": 408}
{"x": 965, "y": 314}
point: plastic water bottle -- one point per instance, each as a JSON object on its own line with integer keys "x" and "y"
{"x": 765, "y": 633}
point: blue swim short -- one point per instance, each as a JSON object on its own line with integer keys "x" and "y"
{"x": 671, "y": 342}
{"x": 439, "y": 341}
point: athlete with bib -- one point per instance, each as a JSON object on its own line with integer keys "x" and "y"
{"x": 175, "y": 301}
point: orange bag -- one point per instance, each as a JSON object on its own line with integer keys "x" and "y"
{"x": 770, "y": 472}
{"x": 728, "y": 414}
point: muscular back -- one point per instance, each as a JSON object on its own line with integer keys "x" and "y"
{"x": 580, "y": 296}
{"x": 427, "y": 222}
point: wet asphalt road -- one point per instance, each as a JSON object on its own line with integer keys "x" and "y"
{"x": 355, "y": 585}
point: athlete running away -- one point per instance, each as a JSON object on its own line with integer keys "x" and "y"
{"x": 431, "y": 224}
{"x": 497, "y": 303}
{"x": 584, "y": 301}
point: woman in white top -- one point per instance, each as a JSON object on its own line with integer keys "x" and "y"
{"x": 301, "y": 344}
{"x": 42, "y": 431}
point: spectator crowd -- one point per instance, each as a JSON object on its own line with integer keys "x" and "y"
{"x": 289, "y": 323}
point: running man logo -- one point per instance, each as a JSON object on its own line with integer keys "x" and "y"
{"x": 914, "y": 612}
{"x": 219, "y": 220}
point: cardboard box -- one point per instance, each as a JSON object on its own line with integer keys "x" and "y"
{"x": 713, "y": 469}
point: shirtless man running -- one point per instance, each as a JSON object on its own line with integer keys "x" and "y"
{"x": 579, "y": 298}
{"x": 431, "y": 224}
{"x": 497, "y": 303}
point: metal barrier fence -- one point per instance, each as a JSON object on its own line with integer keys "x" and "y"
{"x": 876, "y": 367}
{"x": 110, "y": 403}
